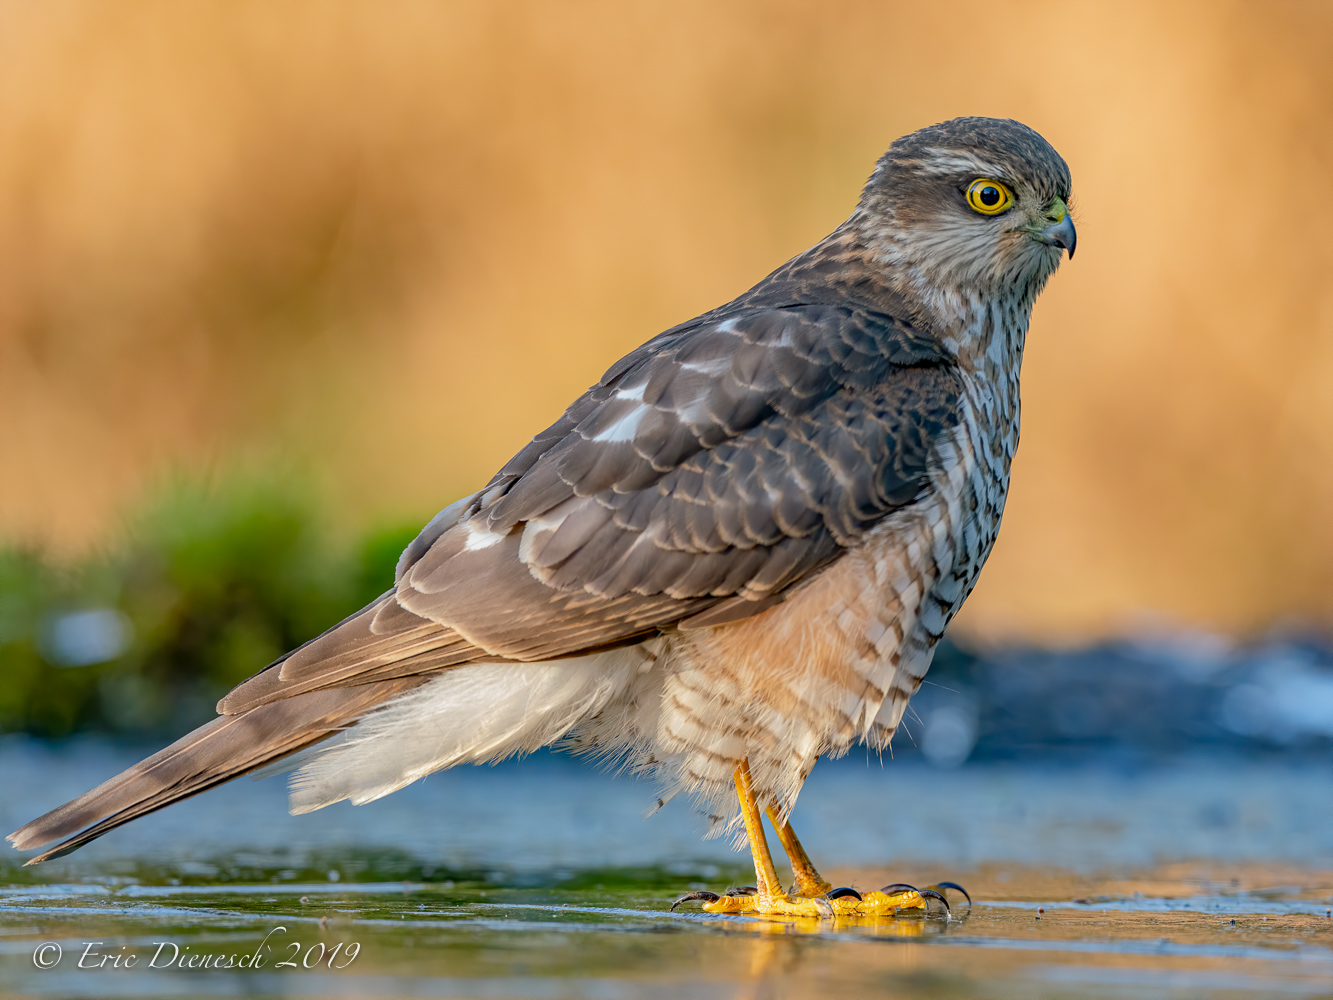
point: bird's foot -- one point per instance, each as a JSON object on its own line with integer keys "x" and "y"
{"x": 842, "y": 902}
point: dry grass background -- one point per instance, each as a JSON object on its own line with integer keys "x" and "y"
{"x": 387, "y": 241}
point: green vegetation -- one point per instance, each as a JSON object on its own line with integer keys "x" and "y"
{"x": 207, "y": 587}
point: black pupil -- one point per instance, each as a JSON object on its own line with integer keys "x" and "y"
{"x": 990, "y": 196}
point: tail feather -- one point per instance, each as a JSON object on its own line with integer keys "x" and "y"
{"x": 223, "y": 749}
{"x": 374, "y": 640}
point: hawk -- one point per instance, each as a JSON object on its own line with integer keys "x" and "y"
{"x": 732, "y": 555}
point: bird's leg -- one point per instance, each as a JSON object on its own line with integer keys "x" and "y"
{"x": 767, "y": 898}
{"x": 809, "y": 883}
{"x": 765, "y": 874}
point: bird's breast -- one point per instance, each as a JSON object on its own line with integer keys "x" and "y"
{"x": 838, "y": 660}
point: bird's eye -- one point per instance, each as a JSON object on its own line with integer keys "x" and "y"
{"x": 988, "y": 197}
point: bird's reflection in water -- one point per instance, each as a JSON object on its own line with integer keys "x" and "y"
{"x": 900, "y": 925}
{"x": 776, "y": 949}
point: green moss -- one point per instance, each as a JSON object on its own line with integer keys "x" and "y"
{"x": 206, "y": 587}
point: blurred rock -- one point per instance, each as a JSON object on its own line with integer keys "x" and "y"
{"x": 1155, "y": 694}
{"x": 81, "y": 638}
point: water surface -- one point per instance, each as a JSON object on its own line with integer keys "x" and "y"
{"x": 542, "y": 878}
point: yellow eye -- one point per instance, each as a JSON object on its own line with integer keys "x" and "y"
{"x": 988, "y": 197}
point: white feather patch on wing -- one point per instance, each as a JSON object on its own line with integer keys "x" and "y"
{"x": 473, "y": 714}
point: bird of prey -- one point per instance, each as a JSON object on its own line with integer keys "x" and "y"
{"x": 732, "y": 555}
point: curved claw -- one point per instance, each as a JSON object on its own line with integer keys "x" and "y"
{"x": 707, "y": 897}
{"x": 843, "y": 892}
{"x": 932, "y": 894}
{"x": 941, "y": 886}
{"x": 897, "y": 887}
{"x": 742, "y": 890}
{"x": 824, "y": 907}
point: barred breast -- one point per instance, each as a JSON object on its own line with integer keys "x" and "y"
{"x": 837, "y": 661}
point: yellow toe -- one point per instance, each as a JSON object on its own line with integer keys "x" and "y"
{"x": 783, "y": 905}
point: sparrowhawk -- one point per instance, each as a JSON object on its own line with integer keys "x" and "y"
{"x": 733, "y": 554}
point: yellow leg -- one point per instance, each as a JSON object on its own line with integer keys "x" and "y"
{"x": 765, "y": 874}
{"x": 771, "y": 900}
{"x": 808, "y": 881}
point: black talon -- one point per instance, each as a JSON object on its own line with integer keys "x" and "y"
{"x": 932, "y": 894}
{"x": 897, "y": 887}
{"x": 707, "y": 897}
{"x": 842, "y": 893}
{"x": 941, "y": 886}
{"x": 742, "y": 890}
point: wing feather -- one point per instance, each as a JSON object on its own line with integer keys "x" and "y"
{"x": 790, "y": 433}
{"x": 710, "y": 472}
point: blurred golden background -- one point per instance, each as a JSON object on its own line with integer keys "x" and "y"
{"x": 384, "y": 243}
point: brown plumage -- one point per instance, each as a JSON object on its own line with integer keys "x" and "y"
{"x": 742, "y": 543}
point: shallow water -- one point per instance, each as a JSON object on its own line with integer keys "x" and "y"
{"x": 542, "y": 878}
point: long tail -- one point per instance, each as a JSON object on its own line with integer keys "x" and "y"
{"x": 225, "y": 748}
{"x": 317, "y": 690}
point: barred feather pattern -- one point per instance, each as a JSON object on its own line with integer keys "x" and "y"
{"x": 838, "y": 661}
{"x": 835, "y": 663}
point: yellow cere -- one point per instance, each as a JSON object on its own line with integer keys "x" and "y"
{"x": 989, "y": 197}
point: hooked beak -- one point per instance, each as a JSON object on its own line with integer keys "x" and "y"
{"x": 1061, "y": 231}
{"x": 1062, "y": 235}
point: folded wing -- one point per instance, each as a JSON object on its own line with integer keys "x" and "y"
{"x": 707, "y": 475}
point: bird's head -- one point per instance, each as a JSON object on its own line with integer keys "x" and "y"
{"x": 970, "y": 205}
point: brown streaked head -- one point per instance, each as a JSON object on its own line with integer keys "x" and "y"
{"x": 972, "y": 203}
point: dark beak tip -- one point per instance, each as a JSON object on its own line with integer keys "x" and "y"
{"x": 1062, "y": 235}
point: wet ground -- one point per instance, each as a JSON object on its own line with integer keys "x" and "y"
{"x": 1114, "y": 877}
